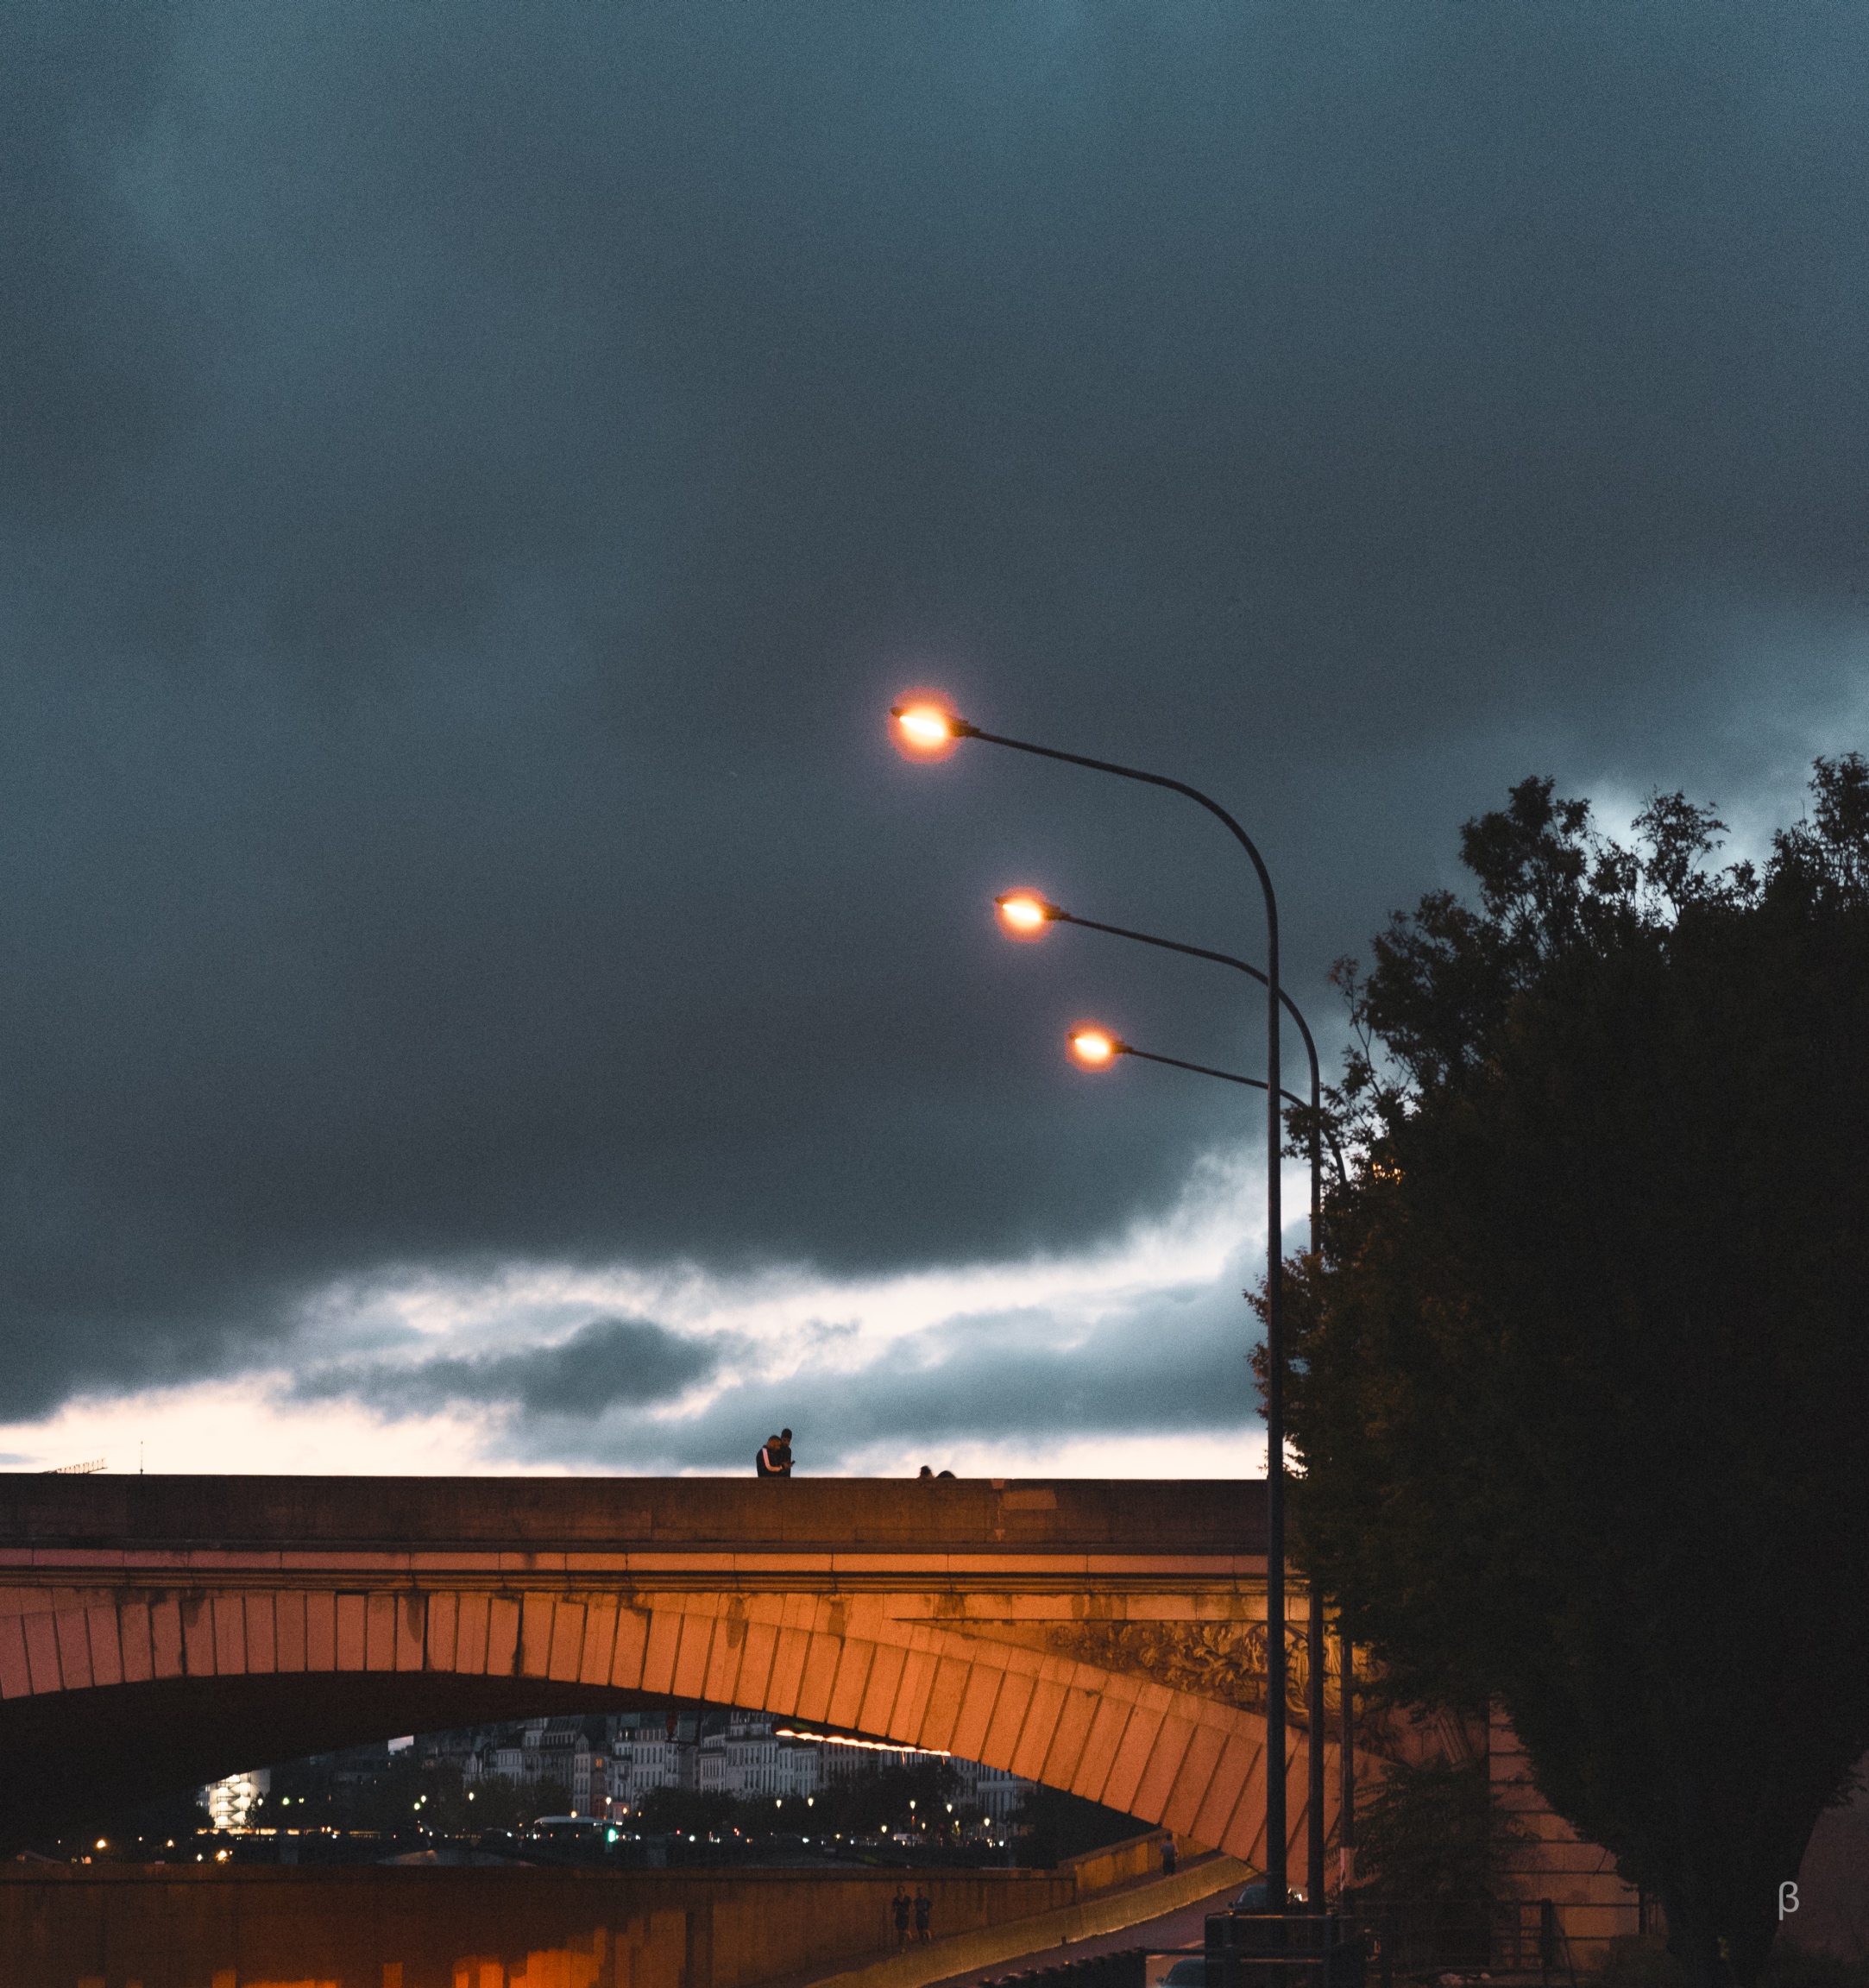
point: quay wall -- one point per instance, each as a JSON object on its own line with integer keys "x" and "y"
{"x": 162, "y": 1926}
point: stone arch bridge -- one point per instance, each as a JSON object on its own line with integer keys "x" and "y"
{"x": 1104, "y": 1637}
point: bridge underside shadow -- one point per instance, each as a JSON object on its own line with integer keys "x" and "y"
{"x": 75, "y": 1757}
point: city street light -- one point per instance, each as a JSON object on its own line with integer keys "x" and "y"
{"x": 926, "y": 725}
{"x": 1098, "y": 1049}
{"x": 1026, "y": 915}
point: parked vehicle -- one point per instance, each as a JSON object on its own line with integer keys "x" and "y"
{"x": 1253, "y": 1898}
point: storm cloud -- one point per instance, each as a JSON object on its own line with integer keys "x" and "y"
{"x": 610, "y": 1394}
{"x": 605, "y": 1363}
{"x": 967, "y": 1382}
{"x": 476, "y": 475}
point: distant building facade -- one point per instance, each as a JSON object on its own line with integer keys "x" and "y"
{"x": 229, "y": 1803}
{"x": 649, "y": 1752}
{"x": 608, "y": 1765}
{"x": 746, "y": 1758}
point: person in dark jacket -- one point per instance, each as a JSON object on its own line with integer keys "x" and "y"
{"x": 765, "y": 1464}
{"x": 783, "y": 1454}
{"x": 924, "y": 1910}
{"x": 903, "y": 1906}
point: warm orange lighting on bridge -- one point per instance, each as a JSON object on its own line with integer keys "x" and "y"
{"x": 1095, "y": 1048}
{"x": 925, "y": 725}
{"x": 1024, "y": 914}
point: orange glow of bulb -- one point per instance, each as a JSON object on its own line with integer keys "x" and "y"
{"x": 1095, "y": 1048}
{"x": 1023, "y": 914}
{"x": 924, "y": 725}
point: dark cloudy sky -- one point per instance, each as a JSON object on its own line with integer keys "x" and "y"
{"x": 477, "y": 990}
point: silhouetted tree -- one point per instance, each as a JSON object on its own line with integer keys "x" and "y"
{"x": 403, "y": 1793}
{"x": 1428, "y": 1834}
{"x": 691, "y": 1812}
{"x": 886, "y": 1794}
{"x": 1579, "y": 1380}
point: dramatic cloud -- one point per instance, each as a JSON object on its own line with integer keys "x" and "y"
{"x": 1162, "y": 1368}
{"x": 1150, "y": 1366}
{"x": 604, "y": 1363}
{"x": 1130, "y": 1359}
{"x": 476, "y": 474}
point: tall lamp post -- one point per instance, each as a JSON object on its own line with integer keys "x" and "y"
{"x": 1025, "y": 914}
{"x": 928, "y": 728}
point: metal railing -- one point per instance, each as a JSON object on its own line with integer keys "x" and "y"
{"x": 1515, "y": 1936}
{"x": 1292, "y": 1950}
{"x": 1364, "y": 1949}
{"x": 1385, "y": 1939}
{"x": 1127, "y": 1968}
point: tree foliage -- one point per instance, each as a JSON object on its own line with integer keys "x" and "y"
{"x": 1579, "y": 1374}
{"x": 886, "y": 1794}
{"x": 406, "y": 1792}
{"x": 688, "y": 1811}
{"x": 1428, "y": 1834}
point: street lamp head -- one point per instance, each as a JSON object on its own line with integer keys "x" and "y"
{"x": 925, "y": 725}
{"x": 1095, "y": 1048}
{"x": 1024, "y": 914}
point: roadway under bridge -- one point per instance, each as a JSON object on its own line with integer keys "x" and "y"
{"x": 1104, "y": 1637}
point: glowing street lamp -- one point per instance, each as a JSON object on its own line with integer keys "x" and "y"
{"x": 926, "y": 725}
{"x": 1097, "y": 1048}
{"x": 1024, "y": 914}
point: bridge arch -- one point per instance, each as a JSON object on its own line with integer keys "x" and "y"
{"x": 1096, "y": 1651}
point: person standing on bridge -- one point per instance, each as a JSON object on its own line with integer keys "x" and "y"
{"x": 783, "y": 1457}
{"x": 924, "y": 1910}
{"x": 901, "y": 1907}
{"x": 765, "y": 1464}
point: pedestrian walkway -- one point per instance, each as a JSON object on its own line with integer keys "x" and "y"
{"x": 1140, "y": 1912}
{"x": 1185, "y": 1926}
